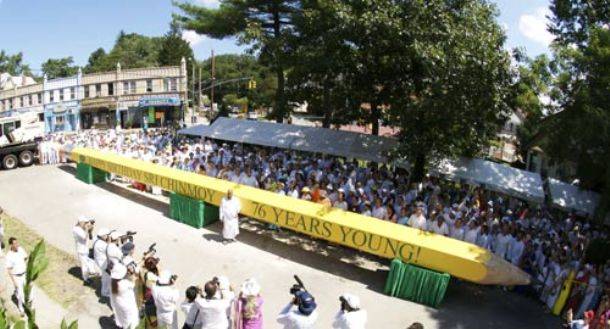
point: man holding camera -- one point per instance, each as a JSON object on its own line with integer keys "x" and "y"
{"x": 229, "y": 216}
{"x": 82, "y": 233}
{"x": 350, "y": 316}
{"x": 166, "y": 300}
{"x": 99, "y": 255}
{"x": 214, "y": 306}
{"x": 300, "y": 313}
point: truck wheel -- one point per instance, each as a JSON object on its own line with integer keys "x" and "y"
{"x": 26, "y": 158}
{"x": 10, "y": 162}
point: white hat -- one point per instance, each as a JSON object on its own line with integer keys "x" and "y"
{"x": 223, "y": 282}
{"x": 164, "y": 277}
{"x": 118, "y": 271}
{"x": 250, "y": 287}
{"x": 352, "y": 300}
{"x": 114, "y": 235}
{"x": 83, "y": 218}
{"x": 103, "y": 231}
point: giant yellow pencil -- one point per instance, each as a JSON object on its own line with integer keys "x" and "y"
{"x": 377, "y": 237}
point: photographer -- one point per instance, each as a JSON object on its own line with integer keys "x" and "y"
{"x": 99, "y": 255}
{"x": 300, "y": 313}
{"x": 193, "y": 320}
{"x": 149, "y": 279}
{"x": 350, "y": 316}
{"x": 82, "y": 233}
{"x": 166, "y": 298}
{"x": 213, "y": 310}
{"x": 123, "y": 298}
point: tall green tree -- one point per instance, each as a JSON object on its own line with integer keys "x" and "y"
{"x": 132, "y": 50}
{"x": 174, "y": 48}
{"x": 59, "y": 68}
{"x": 448, "y": 93}
{"x": 321, "y": 62}
{"x": 264, "y": 25}
{"x": 13, "y": 64}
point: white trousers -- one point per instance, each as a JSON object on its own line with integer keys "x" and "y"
{"x": 88, "y": 267}
{"x": 105, "y": 291}
{"x": 19, "y": 291}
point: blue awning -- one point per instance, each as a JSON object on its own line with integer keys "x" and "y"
{"x": 159, "y": 101}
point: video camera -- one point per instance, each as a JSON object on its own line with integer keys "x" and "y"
{"x": 299, "y": 286}
{"x": 90, "y": 231}
{"x": 151, "y": 251}
{"x": 128, "y": 236}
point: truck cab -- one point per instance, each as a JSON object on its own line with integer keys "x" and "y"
{"x": 19, "y": 136}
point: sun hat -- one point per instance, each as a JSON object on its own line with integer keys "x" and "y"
{"x": 250, "y": 287}
{"x": 103, "y": 231}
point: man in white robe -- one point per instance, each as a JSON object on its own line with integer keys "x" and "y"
{"x": 229, "y": 216}
{"x": 81, "y": 238}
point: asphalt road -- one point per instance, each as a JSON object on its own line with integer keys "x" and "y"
{"x": 49, "y": 199}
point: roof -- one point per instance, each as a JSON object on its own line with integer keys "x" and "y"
{"x": 494, "y": 176}
{"x": 8, "y": 81}
{"x": 300, "y": 138}
{"x": 572, "y": 198}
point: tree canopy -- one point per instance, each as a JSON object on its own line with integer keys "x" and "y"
{"x": 13, "y": 64}
{"x": 59, "y": 68}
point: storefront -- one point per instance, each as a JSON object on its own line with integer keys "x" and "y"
{"x": 98, "y": 114}
{"x": 62, "y": 117}
{"x": 158, "y": 111}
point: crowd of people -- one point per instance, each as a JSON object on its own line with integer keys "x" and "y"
{"x": 141, "y": 290}
{"x": 545, "y": 243}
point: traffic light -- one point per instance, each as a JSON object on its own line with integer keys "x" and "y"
{"x": 252, "y": 84}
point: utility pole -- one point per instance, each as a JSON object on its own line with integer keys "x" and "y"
{"x": 199, "y": 95}
{"x": 213, "y": 80}
{"x": 193, "y": 63}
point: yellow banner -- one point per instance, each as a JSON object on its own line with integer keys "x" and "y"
{"x": 367, "y": 234}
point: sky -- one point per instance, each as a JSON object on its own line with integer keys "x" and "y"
{"x": 43, "y": 29}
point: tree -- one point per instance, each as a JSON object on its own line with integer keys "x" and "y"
{"x": 321, "y": 61}
{"x": 264, "y": 25}
{"x": 59, "y": 68}
{"x": 13, "y": 64}
{"x": 448, "y": 92}
{"x": 132, "y": 50}
{"x": 174, "y": 48}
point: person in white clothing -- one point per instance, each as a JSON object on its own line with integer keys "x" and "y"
{"x": 212, "y": 310}
{"x": 300, "y": 313}
{"x": 166, "y": 298}
{"x": 123, "y": 298}
{"x": 516, "y": 248}
{"x": 472, "y": 233}
{"x": 16, "y": 265}
{"x": 439, "y": 226}
{"x": 501, "y": 242}
{"x": 99, "y": 255}
{"x": 350, "y": 316}
{"x": 458, "y": 231}
{"x": 417, "y": 220}
{"x": 81, "y": 232}
{"x": 229, "y": 216}
{"x": 191, "y": 312}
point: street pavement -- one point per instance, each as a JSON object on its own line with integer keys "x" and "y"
{"x": 48, "y": 199}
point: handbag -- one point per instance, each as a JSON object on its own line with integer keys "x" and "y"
{"x": 191, "y": 326}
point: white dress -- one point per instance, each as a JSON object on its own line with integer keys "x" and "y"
{"x": 125, "y": 309}
{"x": 229, "y": 212}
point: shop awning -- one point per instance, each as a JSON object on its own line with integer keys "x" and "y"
{"x": 159, "y": 101}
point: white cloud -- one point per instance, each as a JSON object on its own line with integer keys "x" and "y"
{"x": 192, "y": 37}
{"x": 208, "y": 3}
{"x": 533, "y": 26}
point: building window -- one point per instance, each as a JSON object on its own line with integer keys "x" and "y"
{"x": 125, "y": 88}
{"x": 39, "y": 96}
{"x": 41, "y": 117}
{"x": 61, "y": 95}
{"x": 9, "y": 104}
{"x": 132, "y": 87}
{"x": 30, "y": 100}
{"x": 52, "y": 96}
{"x": 72, "y": 93}
{"x": 110, "y": 89}
{"x": 23, "y": 101}
{"x": 149, "y": 86}
{"x": 173, "y": 85}
{"x": 59, "y": 120}
{"x": 98, "y": 90}
{"x": 165, "y": 84}
{"x": 87, "y": 91}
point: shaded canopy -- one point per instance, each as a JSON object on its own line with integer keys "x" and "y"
{"x": 494, "y": 176}
{"x": 572, "y": 198}
{"x": 299, "y": 138}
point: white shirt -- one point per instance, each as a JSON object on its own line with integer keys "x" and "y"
{"x": 501, "y": 244}
{"x": 166, "y": 300}
{"x": 350, "y": 320}
{"x": 379, "y": 212}
{"x": 213, "y": 312}
{"x": 471, "y": 235}
{"x": 458, "y": 233}
{"x": 80, "y": 238}
{"x": 192, "y": 313}
{"x": 99, "y": 252}
{"x": 15, "y": 261}
{"x": 291, "y": 318}
{"x": 516, "y": 251}
{"x": 418, "y": 222}
{"x": 229, "y": 209}
{"x": 442, "y": 229}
